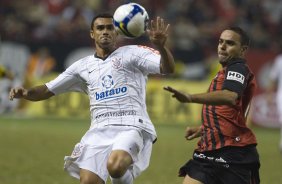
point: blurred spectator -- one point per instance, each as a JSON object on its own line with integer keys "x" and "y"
{"x": 6, "y": 77}
{"x": 40, "y": 64}
{"x": 13, "y": 57}
{"x": 47, "y": 29}
{"x": 276, "y": 88}
{"x": 75, "y": 21}
{"x": 262, "y": 40}
{"x": 185, "y": 44}
{"x": 6, "y": 73}
{"x": 66, "y": 22}
{"x": 273, "y": 8}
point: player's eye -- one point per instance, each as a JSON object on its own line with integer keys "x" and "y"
{"x": 229, "y": 42}
{"x": 100, "y": 27}
{"x": 110, "y": 27}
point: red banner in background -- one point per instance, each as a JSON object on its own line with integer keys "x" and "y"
{"x": 260, "y": 62}
{"x": 263, "y": 110}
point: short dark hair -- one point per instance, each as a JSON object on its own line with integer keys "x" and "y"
{"x": 245, "y": 39}
{"x": 101, "y": 15}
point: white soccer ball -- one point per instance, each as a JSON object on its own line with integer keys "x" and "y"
{"x": 131, "y": 20}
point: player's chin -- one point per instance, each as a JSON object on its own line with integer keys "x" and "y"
{"x": 223, "y": 62}
{"x": 106, "y": 44}
{"x": 222, "y": 58}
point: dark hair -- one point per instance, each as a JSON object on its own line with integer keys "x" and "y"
{"x": 101, "y": 15}
{"x": 245, "y": 39}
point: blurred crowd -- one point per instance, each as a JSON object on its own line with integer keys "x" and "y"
{"x": 40, "y": 37}
{"x": 195, "y": 24}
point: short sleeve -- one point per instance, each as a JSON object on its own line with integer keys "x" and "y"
{"x": 68, "y": 81}
{"x": 148, "y": 59}
{"x": 236, "y": 78}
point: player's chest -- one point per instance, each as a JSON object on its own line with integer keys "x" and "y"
{"x": 217, "y": 81}
{"x": 105, "y": 72}
{"x": 220, "y": 77}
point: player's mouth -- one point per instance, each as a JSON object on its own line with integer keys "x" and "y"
{"x": 105, "y": 38}
{"x": 222, "y": 55}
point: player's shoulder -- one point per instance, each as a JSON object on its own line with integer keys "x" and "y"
{"x": 238, "y": 68}
{"x": 86, "y": 59}
{"x": 82, "y": 62}
{"x": 237, "y": 63}
{"x": 138, "y": 48}
{"x": 128, "y": 48}
{"x": 132, "y": 46}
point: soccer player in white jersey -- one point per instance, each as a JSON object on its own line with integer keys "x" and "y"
{"x": 119, "y": 141}
{"x": 275, "y": 85}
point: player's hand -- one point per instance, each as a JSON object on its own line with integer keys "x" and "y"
{"x": 18, "y": 92}
{"x": 180, "y": 96}
{"x": 192, "y": 132}
{"x": 158, "y": 32}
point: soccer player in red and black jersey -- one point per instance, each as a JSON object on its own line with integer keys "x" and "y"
{"x": 226, "y": 152}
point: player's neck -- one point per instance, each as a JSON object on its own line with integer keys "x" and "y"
{"x": 104, "y": 52}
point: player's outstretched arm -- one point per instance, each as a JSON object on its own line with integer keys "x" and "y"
{"x": 33, "y": 94}
{"x": 180, "y": 96}
{"x": 221, "y": 97}
{"x": 158, "y": 34}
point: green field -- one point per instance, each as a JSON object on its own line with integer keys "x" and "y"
{"x": 32, "y": 152}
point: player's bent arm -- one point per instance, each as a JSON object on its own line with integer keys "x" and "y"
{"x": 36, "y": 93}
{"x": 222, "y": 97}
{"x": 167, "y": 60}
{"x": 192, "y": 132}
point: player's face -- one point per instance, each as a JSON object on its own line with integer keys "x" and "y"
{"x": 229, "y": 46}
{"x": 104, "y": 33}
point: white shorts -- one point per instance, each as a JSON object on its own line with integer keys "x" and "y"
{"x": 93, "y": 151}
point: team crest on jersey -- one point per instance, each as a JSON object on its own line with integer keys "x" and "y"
{"x": 116, "y": 63}
{"x": 107, "y": 81}
{"x": 77, "y": 151}
{"x": 109, "y": 90}
{"x": 231, "y": 75}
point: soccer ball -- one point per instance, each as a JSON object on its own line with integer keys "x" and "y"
{"x": 131, "y": 20}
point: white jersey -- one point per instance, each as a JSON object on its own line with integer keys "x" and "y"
{"x": 116, "y": 85}
{"x": 276, "y": 75}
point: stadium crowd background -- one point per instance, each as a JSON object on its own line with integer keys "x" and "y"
{"x": 43, "y": 36}
{"x": 63, "y": 25}
{"x": 38, "y": 37}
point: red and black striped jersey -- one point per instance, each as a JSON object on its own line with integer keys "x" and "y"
{"x": 224, "y": 125}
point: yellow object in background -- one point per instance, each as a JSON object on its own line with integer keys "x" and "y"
{"x": 161, "y": 107}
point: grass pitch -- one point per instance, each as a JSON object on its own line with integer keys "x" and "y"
{"x": 32, "y": 152}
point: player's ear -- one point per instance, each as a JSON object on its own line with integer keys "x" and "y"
{"x": 92, "y": 34}
{"x": 244, "y": 48}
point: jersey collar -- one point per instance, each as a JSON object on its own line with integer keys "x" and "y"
{"x": 236, "y": 60}
{"x": 96, "y": 56}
